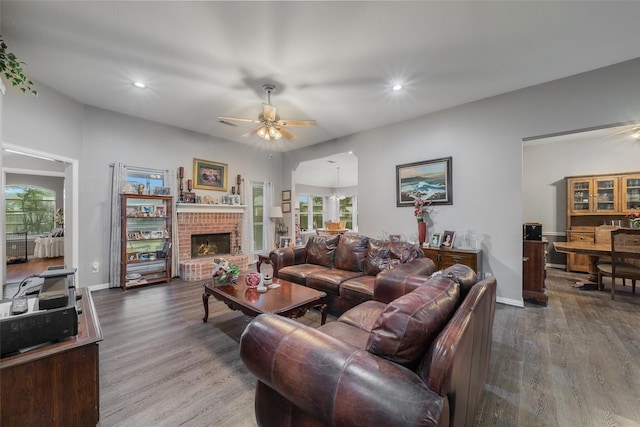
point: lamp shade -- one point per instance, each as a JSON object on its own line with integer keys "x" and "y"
{"x": 276, "y": 212}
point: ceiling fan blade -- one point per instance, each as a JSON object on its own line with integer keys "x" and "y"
{"x": 297, "y": 122}
{"x": 238, "y": 119}
{"x": 252, "y": 131}
{"x": 286, "y": 133}
{"x": 269, "y": 112}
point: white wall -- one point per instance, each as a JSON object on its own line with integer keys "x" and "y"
{"x": 485, "y": 140}
{"x": 55, "y": 123}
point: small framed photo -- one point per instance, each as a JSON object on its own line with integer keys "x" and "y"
{"x": 132, "y": 211}
{"x": 133, "y": 256}
{"x": 286, "y": 195}
{"x": 147, "y": 210}
{"x": 285, "y": 241}
{"x": 447, "y": 239}
{"x": 435, "y": 240}
{"x": 157, "y": 234}
{"x": 161, "y": 211}
{"x": 133, "y": 235}
{"x": 394, "y": 237}
{"x": 146, "y": 234}
{"x": 158, "y": 191}
{"x": 189, "y": 197}
{"x": 286, "y": 207}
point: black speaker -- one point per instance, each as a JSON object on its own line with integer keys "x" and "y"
{"x": 532, "y": 231}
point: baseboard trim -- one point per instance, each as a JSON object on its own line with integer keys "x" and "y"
{"x": 509, "y": 301}
{"x": 98, "y": 287}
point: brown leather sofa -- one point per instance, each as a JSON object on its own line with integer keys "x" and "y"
{"x": 346, "y": 266}
{"x": 416, "y": 355}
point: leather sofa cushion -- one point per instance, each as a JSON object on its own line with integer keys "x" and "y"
{"x": 363, "y": 316}
{"x": 378, "y": 257}
{"x": 321, "y": 250}
{"x": 350, "y": 253}
{"x": 404, "y": 251}
{"x": 347, "y": 333}
{"x": 408, "y": 325}
{"x": 358, "y": 290}
{"x": 329, "y": 280}
{"x": 298, "y": 273}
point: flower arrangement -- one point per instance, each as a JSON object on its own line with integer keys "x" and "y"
{"x": 223, "y": 272}
{"x": 421, "y": 209}
{"x": 634, "y": 219}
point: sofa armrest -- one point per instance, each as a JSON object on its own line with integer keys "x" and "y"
{"x": 333, "y": 381}
{"x": 392, "y": 284}
{"x": 285, "y": 257}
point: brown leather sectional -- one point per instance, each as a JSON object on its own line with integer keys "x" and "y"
{"x": 346, "y": 266}
{"x": 417, "y": 354}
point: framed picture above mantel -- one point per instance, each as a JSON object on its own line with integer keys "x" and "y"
{"x": 209, "y": 175}
{"x": 428, "y": 180}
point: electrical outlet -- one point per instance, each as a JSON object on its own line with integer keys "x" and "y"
{"x": 95, "y": 267}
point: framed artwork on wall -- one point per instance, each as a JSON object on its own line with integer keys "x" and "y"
{"x": 286, "y": 207}
{"x": 209, "y": 175}
{"x": 427, "y": 180}
{"x": 286, "y": 195}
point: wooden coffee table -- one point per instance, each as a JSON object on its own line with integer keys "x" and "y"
{"x": 289, "y": 300}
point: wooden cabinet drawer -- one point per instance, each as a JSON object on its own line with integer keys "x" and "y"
{"x": 582, "y": 236}
{"x": 451, "y": 258}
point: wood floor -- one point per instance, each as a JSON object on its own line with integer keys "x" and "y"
{"x": 575, "y": 362}
{"x": 18, "y": 271}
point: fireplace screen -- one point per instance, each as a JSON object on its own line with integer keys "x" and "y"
{"x": 205, "y": 245}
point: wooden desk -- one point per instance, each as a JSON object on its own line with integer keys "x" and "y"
{"x": 56, "y": 384}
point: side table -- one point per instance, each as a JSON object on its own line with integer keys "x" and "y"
{"x": 262, "y": 258}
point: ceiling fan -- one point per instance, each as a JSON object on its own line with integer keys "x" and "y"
{"x": 270, "y": 125}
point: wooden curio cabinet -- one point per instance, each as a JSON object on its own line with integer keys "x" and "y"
{"x": 596, "y": 200}
{"x": 146, "y": 239}
{"x": 534, "y": 271}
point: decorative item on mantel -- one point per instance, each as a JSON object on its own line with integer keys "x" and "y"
{"x": 634, "y": 219}
{"x": 421, "y": 212}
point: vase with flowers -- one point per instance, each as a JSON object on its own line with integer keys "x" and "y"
{"x": 634, "y": 219}
{"x": 421, "y": 212}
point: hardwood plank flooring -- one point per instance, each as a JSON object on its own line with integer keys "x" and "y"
{"x": 575, "y": 362}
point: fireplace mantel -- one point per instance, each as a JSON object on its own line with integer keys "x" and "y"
{"x": 206, "y": 208}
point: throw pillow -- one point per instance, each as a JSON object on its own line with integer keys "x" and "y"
{"x": 408, "y": 325}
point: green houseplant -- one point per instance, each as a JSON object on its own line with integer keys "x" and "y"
{"x": 11, "y": 69}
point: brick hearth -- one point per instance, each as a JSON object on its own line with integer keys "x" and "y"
{"x": 205, "y": 220}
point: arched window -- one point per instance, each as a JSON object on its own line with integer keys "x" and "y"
{"x": 30, "y": 209}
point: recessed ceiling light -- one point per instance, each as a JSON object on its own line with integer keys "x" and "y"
{"x": 397, "y": 87}
{"x": 139, "y": 85}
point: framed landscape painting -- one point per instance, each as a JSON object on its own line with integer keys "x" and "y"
{"x": 427, "y": 180}
{"x": 209, "y": 175}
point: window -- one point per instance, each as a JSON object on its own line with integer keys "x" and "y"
{"x": 30, "y": 209}
{"x": 311, "y": 212}
{"x": 149, "y": 180}
{"x": 346, "y": 211}
{"x": 257, "y": 196}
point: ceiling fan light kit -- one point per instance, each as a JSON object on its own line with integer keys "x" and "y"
{"x": 270, "y": 126}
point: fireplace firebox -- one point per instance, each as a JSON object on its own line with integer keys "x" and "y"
{"x": 209, "y": 245}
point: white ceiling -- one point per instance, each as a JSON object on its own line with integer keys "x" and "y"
{"x": 331, "y": 61}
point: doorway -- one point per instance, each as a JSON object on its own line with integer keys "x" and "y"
{"x": 22, "y": 162}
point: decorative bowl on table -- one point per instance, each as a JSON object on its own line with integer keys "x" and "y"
{"x": 253, "y": 280}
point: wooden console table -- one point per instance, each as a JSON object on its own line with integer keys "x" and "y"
{"x": 445, "y": 257}
{"x": 55, "y": 384}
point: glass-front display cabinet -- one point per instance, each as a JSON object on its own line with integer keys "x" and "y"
{"x": 146, "y": 239}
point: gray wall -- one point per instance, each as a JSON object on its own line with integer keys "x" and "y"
{"x": 485, "y": 140}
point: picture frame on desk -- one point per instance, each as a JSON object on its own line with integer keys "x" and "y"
{"x": 285, "y": 241}
{"x": 189, "y": 197}
{"x": 435, "y": 240}
{"x": 448, "y": 238}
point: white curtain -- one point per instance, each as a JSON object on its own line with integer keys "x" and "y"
{"x": 269, "y": 225}
{"x": 118, "y": 179}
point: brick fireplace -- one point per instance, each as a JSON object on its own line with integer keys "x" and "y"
{"x": 198, "y": 220}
